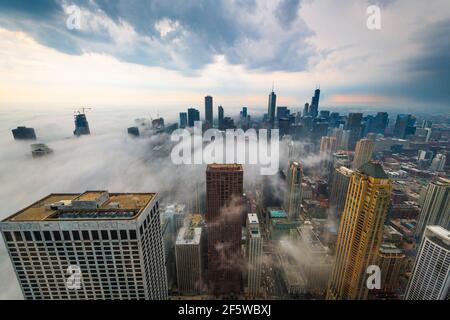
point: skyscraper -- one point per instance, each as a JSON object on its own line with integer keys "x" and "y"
{"x": 254, "y": 255}
{"x": 220, "y": 117}
{"x": 113, "y": 240}
{"x": 271, "y": 109}
{"x": 183, "y": 120}
{"x": 306, "y": 110}
{"x": 354, "y": 125}
{"x": 339, "y": 187}
{"x": 293, "y": 197}
{"x": 360, "y": 232}
{"x": 188, "y": 253}
{"x": 24, "y": 133}
{"x": 208, "y": 112}
{"x": 404, "y": 126}
{"x": 436, "y": 206}
{"x": 363, "y": 152}
{"x": 224, "y": 219}
{"x": 380, "y": 123}
{"x": 328, "y": 146}
{"x": 391, "y": 261}
{"x": 193, "y": 115}
{"x": 314, "y": 107}
{"x": 438, "y": 163}
{"x": 430, "y": 278}
{"x": 81, "y": 124}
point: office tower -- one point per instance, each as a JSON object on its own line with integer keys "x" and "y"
{"x": 345, "y": 140}
{"x": 293, "y": 197}
{"x": 221, "y": 116}
{"x": 319, "y": 129}
{"x": 338, "y": 133}
{"x": 81, "y": 124}
{"x": 183, "y": 120}
{"x": 283, "y": 113}
{"x": 244, "y": 113}
{"x": 188, "y": 253}
{"x": 339, "y": 187}
{"x": 228, "y": 123}
{"x": 314, "y": 107}
{"x": 224, "y": 218}
{"x": 404, "y": 126}
{"x": 40, "y": 150}
{"x": 134, "y": 131}
{"x": 391, "y": 261}
{"x": 380, "y": 122}
{"x": 363, "y": 152}
{"x": 328, "y": 146}
{"x": 430, "y": 278}
{"x": 315, "y": 262}
{"x": 271, "y": 109}
{"x": 324, "y": 114}
{"x": 436, "y": 206}
{"x": 427, "y": 124}
{"x": 193, "y": 115}
{"x": 113, "y": 239}
{"x": 24, "y": 133}
{"x": 360, "y": 233}
{"x": 284, "y": 125}
{"x": 438, "y": 163}
{"x": 354, "y": 125}
{"x": 306, "y": 109}
{"x": 208, "y": 112}
{"x": 254, "y": 255}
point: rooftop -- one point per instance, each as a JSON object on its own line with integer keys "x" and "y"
{"x": 59, "y": 206}
{"x": 188, "y": 235}
{"x": 373, "y": 169}
{"x": 224, "y": 167}
{"x": 277, "y": 214}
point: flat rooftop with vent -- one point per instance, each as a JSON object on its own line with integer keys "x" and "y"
{"x": 90, "y": 205}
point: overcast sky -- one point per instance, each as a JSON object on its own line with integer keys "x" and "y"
{"x": 169, "y": 54}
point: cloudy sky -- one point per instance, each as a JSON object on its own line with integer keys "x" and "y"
{"x": 169, "y": 54}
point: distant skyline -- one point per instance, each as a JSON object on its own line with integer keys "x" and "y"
{"x": 169, "y": 55}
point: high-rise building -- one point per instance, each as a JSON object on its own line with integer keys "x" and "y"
{"x": 293, "y": 197}
{"x": 360, "y": 233}
{"x": 436, "y": 206}
{"x": 328, "y": 146}
{"x": 314, "y": 107}
{"x": 111, "y": 243}
{"x": 81, "y": 124}
{"x": 391, "y": 261}
{"x": 283, "y": 113}
{"x": 380, "y": 123}
{"x": 183, "y": 120}
{"x": 224, "y": 219}
{"x": 188, "y": 253}
{"x": 404, "y": 126}
{"x": 193, "y": 115}
{"x": 24, "y": 133}
{"x": 254, "y": 255}
{"x": 363, "y": 152}
{"x": 306, "y": 110}
{"x": 271, "y": 109}
{"x": 438, "y": 163}
{"x": 208, "y": 112}
{"x": 354, "y": 125}
{"x": 315, "y": 262}
{"x": 339, "y": 187}
{"x": 220, "y": 117}
{"x": 430, "y": 278}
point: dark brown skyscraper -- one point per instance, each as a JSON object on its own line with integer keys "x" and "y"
{"x": 224, "y": 188}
